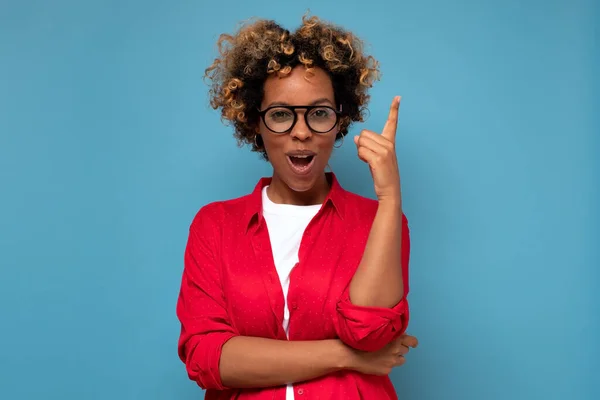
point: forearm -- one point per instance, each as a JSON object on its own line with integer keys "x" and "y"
{"x": 378, "y": 279}
{"x": 249, "y": 362}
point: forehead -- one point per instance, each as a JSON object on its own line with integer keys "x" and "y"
{"x": 298, "y": 88}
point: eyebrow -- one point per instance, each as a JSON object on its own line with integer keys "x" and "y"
{"x": 315, "y": 102}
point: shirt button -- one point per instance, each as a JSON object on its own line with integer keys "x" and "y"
{"x": 300, "y": 391}
{"x": 294, "y": 305}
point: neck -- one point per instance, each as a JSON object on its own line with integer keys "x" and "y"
{"x": 279, "y": 192}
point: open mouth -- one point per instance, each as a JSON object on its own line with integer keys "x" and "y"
{"x": 301, "y": 164}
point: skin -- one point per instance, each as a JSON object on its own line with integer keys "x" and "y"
{"x": 378, "y": 281}
{"x": 287, "y": 187}
{"x": 250, "y": 362}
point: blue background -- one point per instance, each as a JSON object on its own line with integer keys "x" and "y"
{"x": 108, "y": 148}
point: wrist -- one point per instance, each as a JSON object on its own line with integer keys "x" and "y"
{"x": 345, "y": 358}
{"x": 392, "y": 196}
{"x": 391, "y": 203}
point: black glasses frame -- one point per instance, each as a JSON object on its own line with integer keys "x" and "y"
{"x": 308, "y": 110}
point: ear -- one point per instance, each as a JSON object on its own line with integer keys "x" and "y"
{"x": 257, "y": 138}
{"x": 255, "y": 125}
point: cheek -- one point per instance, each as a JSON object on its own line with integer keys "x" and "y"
{"x": 329, "y": 142}
{"x": 326, "y": 149}
{"x": 273, "y": 145}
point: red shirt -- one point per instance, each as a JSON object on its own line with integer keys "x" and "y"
{"x": 230, "y": 287}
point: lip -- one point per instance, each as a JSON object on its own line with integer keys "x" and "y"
{"x": 301, "y": 170}
{"x": 300, "y": 153}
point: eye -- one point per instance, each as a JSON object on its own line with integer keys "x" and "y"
{"x": 280, "y": 114}
{"x": 321, "y": 113}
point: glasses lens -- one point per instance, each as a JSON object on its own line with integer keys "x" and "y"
{"x": 279, "y": 119}
{"x": 322, "y": 119}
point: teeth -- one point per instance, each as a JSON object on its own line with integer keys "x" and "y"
{"x": 304, "y": 156}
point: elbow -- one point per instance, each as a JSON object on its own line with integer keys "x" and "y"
{"x": 203, "y": 376}
{"x": 370, "y": 328}
{"x": 201, "y": 356}
{"x": 368, "y": 339}
{"x": 199, "y": 371}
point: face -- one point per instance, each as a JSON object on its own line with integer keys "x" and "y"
{"x": 300, "y": 155}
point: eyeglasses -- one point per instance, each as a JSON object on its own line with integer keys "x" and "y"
{"x": 281, "y": 119}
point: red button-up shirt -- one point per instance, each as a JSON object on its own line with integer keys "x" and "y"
{"x": 230, "y": 287}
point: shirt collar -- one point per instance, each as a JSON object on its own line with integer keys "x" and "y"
{"x": 335, "y": 198}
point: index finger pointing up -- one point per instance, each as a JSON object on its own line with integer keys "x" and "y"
{"x": 391, "y": 125}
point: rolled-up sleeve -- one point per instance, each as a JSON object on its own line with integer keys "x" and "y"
{"x": 201, "y": 307}
{"x": 371, "y": 328}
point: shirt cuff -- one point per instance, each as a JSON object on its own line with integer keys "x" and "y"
{"x": 370, "y": 328}
{"x": 204, "y": 365}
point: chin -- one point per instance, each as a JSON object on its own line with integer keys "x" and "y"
{"x": 300, "y": 185}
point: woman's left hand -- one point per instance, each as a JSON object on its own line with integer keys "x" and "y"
{"x": 379, "y": 151}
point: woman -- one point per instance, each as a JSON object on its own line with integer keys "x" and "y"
{"x": 298, "y": 289}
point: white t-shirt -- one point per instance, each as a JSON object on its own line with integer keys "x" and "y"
{"x": 286, "y": 224}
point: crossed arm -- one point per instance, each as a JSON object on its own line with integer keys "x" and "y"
{"x": 217, "y": 357}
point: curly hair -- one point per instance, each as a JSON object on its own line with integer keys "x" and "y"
{"x": 263, "y": 48}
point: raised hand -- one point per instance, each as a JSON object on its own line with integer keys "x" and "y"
{"x": 379, "y": 151}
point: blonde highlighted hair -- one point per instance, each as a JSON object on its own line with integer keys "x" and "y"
{"x": 262, "y": 48}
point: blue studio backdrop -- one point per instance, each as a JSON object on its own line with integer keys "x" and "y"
{"x": 108, "y": 148}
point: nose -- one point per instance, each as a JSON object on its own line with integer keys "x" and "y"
{"x": 300, "y": 130}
